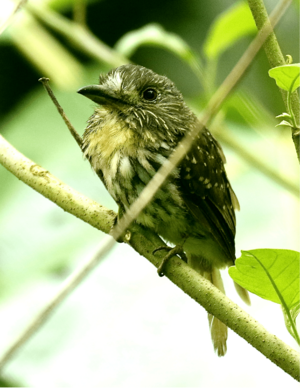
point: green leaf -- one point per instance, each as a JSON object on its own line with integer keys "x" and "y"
{"x": 259, "y": 270}
{"x": 287, "y": 77}
{"x": 284, "y": 123}
{"x": 284, "y": 114}
{"x": 151, "y": 34}
{"x": 228, "y": 28}
{"x": 291, "y": 318}
{"x": 154, "y": 35}
{"x": 272, "y": 274}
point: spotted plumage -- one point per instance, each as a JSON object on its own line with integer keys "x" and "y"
{"x": 139, "y": 120}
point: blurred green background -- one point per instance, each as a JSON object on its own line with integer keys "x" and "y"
{"x": 125, "y": 326}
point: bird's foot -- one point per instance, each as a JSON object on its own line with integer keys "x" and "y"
{"x": 177, "y": 250}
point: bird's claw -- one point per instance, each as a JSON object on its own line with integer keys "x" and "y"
{"x": 177, "y": 250}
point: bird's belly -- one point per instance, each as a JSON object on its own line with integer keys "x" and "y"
{"x": 167, "y": 216}
{"x": 165, "y": 213}
{"x": 126, "y": 177}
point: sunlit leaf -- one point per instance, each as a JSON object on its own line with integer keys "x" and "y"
{"x": 284, "y": 123}
{"x": 272, "y": 274}
{"x": 258, "y": 269}
{"x": 287, "y": 77}
{"x": 151, "y": 34}
{"x": 228, "y": 28}
{"x": 290, "y": 318}
{"x": 155, "y": 35}
{"x": 284, "y": 114}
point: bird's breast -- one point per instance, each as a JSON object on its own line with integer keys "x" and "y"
{"x": 101, "y": 142}
{"x": 127, "y": 164}
{"x": 125, "y": 177}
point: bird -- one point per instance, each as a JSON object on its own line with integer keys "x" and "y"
{"x": 139, "y": 119}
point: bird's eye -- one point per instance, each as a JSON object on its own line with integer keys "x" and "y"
{"x": 150, "y": 94}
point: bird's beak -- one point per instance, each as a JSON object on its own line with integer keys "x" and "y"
{"x": 98, "y": 94}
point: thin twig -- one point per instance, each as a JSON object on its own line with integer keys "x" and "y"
{"x": 74, "y": 133}
{"x": 10, "y": 19}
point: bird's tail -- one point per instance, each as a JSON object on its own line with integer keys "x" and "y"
{"x": 244, "y": 295}
{"x": 218, "y": 331}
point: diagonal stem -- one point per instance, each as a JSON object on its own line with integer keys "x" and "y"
{"x": 276, "y": 58}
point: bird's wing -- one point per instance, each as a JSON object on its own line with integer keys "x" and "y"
{"x": 207, "y": 192}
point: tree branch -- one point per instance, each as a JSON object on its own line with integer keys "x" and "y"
{"x": 52, "y": 188}
{"x": 276, "y": 58}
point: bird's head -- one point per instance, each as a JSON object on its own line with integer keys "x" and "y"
{"x": 144, "y": 99}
